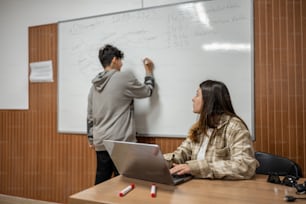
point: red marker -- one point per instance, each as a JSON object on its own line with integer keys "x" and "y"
{"x": 153, "y": 190}
{"x": 126, "y": 190}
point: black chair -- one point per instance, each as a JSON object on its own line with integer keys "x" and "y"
{"x": 273, "y": 164}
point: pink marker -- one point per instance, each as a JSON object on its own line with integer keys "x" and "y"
{"x": 153, "y": 190}
{"x": 126, "y": 190}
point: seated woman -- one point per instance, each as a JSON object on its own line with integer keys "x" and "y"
{"x": 219, "y": 145}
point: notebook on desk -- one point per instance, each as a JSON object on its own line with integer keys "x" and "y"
{"x": 142, "y": 161}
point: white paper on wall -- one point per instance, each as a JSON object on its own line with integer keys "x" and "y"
{"x": 41, "y": 71}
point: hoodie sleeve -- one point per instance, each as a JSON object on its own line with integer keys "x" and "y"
{"x": 90, "y": 118}
{"x": 135, "y": 89}
{"x": 149, "y": 81}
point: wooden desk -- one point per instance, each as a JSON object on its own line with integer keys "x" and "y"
{"x": 256, "y": 191}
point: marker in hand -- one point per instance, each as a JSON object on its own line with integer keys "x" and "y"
{"x": 126, "y": 190}
{"x": 153, "y": 190}
{"x": 146, "y": 61}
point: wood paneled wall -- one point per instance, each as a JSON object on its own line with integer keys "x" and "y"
{"x": 37, "y": 162}
{"x": 280, "y": 78}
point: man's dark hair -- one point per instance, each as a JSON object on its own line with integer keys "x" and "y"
{"x": 107, "y": 53}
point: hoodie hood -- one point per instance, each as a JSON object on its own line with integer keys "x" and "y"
{"x": 100, "y": 81}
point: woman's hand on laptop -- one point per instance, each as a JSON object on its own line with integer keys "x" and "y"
{"x": 180, "y": 169}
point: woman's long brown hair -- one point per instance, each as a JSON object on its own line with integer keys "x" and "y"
{"x": 216, "y": 102}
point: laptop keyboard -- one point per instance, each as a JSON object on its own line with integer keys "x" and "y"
{"x": 179, "y": 176}
{"x": 177, "y": 179}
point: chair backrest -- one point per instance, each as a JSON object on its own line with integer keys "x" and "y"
{"x": 270, "y": 163}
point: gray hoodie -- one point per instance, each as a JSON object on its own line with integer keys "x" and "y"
{"x": 110, "y": 111}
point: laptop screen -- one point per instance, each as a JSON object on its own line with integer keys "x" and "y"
{"x": 139, "y": 160}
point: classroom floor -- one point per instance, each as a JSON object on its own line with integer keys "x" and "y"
{"x": 7, "y": 199}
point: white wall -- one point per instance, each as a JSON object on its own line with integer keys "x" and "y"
{"x": 15, "y": 18}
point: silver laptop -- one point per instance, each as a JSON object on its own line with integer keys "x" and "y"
{"x": 142, "y": 161}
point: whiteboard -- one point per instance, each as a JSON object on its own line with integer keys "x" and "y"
{"x": 188, "y": 42}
